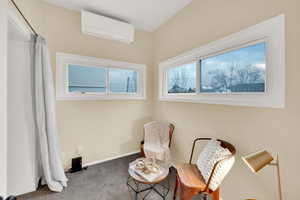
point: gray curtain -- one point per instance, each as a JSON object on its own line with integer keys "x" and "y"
{"x": 53, "y": 173}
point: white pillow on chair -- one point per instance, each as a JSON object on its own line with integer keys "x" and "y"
{"x": 212, "y": 153}
{"x": 221, "y": 172}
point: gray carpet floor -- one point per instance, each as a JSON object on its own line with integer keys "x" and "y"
{"x": 105, "y": 181}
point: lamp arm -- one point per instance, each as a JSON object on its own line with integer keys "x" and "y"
{"x": 273, "y": 164}
{"x": 279, "y": 178}
{"x": 276, "y": 164}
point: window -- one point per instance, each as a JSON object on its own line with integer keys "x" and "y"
{"x": 123, "y": 80}
{"x": 246, "y": 68}
{"x": 239, "y": 70}
{"x": 182, "y": 79}
{"x": 87, "y": 78}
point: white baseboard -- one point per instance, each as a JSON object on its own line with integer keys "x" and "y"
{"x": 109, "y": 159}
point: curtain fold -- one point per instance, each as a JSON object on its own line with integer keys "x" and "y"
{"x": 53, "y": 172}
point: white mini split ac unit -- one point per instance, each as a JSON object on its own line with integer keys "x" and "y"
{"x": 104, "y": 27}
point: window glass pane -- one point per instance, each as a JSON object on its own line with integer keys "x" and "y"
{"x": 123, "y": 80}
{"x": 182, "y": 79}
{"x": 86, "y": 79}
{"x": 240, "y": 70}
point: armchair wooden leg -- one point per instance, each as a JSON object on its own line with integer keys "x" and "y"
{"x": 176, "y": 188}
{"x": 187, "y": 193}
{"x": 216, "y": 194}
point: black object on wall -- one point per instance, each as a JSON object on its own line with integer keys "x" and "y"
{"x": 9, "y": 198}
{"x": 77, "y": 165}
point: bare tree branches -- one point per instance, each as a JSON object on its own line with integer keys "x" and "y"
{"x": 224, "y": 80}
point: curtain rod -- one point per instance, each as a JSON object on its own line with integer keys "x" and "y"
{"x": 27, "y": 22}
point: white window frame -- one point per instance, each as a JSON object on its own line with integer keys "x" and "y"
{"x": 63, "y": 60}
{"x": 271, "y": 31}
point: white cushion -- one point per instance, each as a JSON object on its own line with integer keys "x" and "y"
{"x": 220, "y": 173}
{"x": 206, "y": 158}
{"x": 212, "y": 153}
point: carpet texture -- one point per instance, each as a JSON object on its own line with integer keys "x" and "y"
{"x": 105, "y": 181}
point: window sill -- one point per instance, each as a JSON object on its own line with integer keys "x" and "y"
{"x": 103, "y": 98}
{"x": 231, "y": 100}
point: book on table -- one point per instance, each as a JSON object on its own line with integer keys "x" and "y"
{"x": 150, "y": 176}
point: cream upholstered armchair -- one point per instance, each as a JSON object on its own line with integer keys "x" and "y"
{"x": 214, "y": 163}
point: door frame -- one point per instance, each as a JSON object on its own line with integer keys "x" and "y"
{"x": 3, "y": 97}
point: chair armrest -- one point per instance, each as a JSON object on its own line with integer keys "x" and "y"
{"x": 193, "y": 148}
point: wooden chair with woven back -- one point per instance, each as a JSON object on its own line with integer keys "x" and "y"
{"x": 191, "y": 182}
{"x": 171, "y": 131}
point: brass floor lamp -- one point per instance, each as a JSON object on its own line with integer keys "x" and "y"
{"x": 258, "y": 160}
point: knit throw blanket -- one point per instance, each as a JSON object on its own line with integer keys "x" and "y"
{"x": 157, "y": 141}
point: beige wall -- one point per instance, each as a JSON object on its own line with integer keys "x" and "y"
{"x": 249, "y": 129}
{"x": 103, "y": 128}
{"x": 108, "y": 128}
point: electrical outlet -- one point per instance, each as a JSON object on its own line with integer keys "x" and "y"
{"x": 79, "y": 150}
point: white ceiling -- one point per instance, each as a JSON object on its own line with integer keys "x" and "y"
{"x": 145, "y": 15}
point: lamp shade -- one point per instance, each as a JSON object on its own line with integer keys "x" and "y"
{"x": 258, "y": 160}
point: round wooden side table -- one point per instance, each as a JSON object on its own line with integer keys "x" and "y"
{"x": 138, "y": 184}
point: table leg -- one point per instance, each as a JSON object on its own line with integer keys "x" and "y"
{"x": 135, "y": 186}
